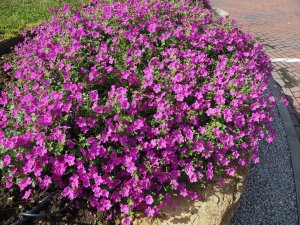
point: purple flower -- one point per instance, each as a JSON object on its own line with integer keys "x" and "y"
{"x": 149, "y": 200}
{"x": 231, "y": 171}
{"x": 26, "y": 194}
{"x": 25, "y": 182}
{"x": 150, "y": 211}
{"x": 46, "y": 120}
{"x": 211, "y": 111}
{"x": 228, "y": 113}
{"x": 45, "y": 182}
{"x": 270, "y": 138}
{"x": 6, "y": 160}
{"x": 161, "y": 143}
{"x": 59, "y": 167}
{"x": 209, "y": 171}
{"x": 94, "y": 73}
{"x": 219, "y": 98}
{"x": 69, "y": 192}
{"x": 124, "y": 208}
{"x": 127, "y": 221}
{"x": 94, "y": 96}
{"x": 81, "y": 122}
{"x": 106, "y": 204}
{"x": 58, "y": 135}
{"x": 69, "y": 159}
{"x": 8, "y": 183}
{"x": 285, "y": 101}
{"x": 74, "y": 181}
{"x": 6, "y": 66}
{"x": 157, "y": 88}
{"x": 177, "y": 78}
{"x": 152, "y": 27}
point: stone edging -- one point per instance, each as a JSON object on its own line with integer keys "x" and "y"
{"x": 216, "y": 206}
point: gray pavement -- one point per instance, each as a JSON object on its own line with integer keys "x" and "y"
{"x": 270, "y": 195}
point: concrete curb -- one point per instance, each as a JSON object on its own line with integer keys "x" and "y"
{"x": 292, "y": 137}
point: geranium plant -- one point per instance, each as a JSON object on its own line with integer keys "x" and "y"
{"x": 127, "y": 103}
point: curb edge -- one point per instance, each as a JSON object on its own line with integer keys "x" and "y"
{"x": 293, "y": 142}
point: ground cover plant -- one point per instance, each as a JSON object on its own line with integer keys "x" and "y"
{"x": 124, "y": 104}
{"x": 16, "y": 15}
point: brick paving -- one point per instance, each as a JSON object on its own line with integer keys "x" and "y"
{"x": 276, "y": 24}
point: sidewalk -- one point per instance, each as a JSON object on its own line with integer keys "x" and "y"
{"x": 271, "y": 191}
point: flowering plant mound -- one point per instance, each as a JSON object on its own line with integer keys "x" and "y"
{"x": 127, "y": 103}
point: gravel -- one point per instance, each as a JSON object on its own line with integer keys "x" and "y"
{"x": 269, "y": 197}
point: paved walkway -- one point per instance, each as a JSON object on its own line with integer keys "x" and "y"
{"x": 276, "y": 24}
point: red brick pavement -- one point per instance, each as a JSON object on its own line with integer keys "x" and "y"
{"x": 276, "y": 24}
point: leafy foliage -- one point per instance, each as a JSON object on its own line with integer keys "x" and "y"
{"x": 127, "y": 103}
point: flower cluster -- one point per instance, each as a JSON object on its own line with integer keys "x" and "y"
{"x": 127, "y": 103}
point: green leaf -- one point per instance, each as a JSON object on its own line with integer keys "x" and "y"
{"x": 129, "y": 201}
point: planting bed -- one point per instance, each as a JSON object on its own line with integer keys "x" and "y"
{"x": 121, "y": 106}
